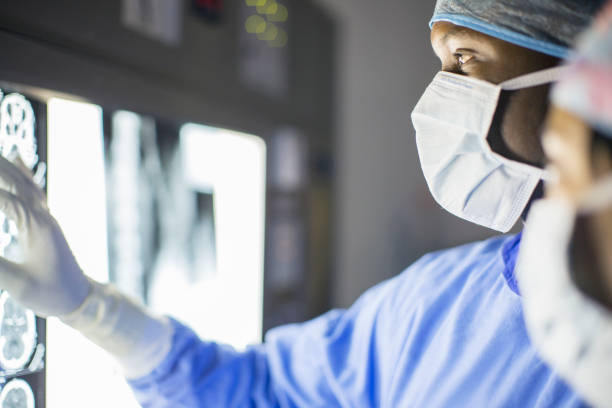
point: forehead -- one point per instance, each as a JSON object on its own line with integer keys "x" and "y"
{"x": 443, "y": 30}
{"x": 445, "y": 35}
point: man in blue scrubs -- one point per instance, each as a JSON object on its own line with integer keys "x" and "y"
{"x": 447, "y": 332}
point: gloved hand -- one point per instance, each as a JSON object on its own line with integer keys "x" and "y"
{"x": 43, "y": 275}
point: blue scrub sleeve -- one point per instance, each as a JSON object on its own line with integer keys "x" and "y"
{"x": 329, "y": 361}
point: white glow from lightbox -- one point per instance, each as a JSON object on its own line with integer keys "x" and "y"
{"x": 226, "y": 306}
{"x": 233, "y": 166}
{"x": 78, "y": 372}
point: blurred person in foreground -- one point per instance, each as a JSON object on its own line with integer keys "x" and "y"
{"x": 447, "y": 332}
{"x": 565, "y": 263}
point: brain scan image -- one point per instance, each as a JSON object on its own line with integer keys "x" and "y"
{"x": 17, "y": 129}
{"x": 17, "y": 138}
{"x": 17, "y": 394}
{"x": 17, "y": 334}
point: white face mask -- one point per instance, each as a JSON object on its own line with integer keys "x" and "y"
{"x": 570, "y": 331}
{"x": 452, "y": 121}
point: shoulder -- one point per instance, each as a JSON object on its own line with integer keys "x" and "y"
{"x": 444, "y": 264}
{"x": 436, "y": 277}
{"x": 474, "y": 251}
{"x": 475, "y": 266}
{"x": 461, "y": 258}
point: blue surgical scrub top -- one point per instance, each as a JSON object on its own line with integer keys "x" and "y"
{"x": 447, "y": 332}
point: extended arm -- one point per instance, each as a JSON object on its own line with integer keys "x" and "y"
{"x": 164, "y": 361}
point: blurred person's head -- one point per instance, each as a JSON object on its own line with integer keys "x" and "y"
{"x": 577, "y": 140}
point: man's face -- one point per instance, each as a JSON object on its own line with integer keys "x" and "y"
{"x": 517, "y": 126}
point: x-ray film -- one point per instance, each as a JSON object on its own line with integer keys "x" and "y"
{"x": 17, "y": 334}
{"x": 17, "y": 394}
{"x": 17, "y": 139}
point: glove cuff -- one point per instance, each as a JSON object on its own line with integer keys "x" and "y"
{"x": 138, "y": 339}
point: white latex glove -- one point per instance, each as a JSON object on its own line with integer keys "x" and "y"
{"x": 43, "y": 275}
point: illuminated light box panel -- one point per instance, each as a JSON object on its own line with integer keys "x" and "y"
{"x": 224, "y": 306}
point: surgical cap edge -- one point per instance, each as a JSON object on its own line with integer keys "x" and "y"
{"x": 521, "y": 40}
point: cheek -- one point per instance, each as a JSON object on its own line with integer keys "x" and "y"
{"x": 522, "y": 124}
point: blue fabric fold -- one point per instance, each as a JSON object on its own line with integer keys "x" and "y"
{"x": 510, "y": 254}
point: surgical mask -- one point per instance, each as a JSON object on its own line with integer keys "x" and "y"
{"x": 452, "y": 121}
{"x": 570, "y": 331}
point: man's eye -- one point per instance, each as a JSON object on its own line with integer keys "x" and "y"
{"x": 463, "y": 59}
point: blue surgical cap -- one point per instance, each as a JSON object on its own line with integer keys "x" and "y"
{"x": 546, "y": 26}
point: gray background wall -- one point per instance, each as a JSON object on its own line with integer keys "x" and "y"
{"x": 385, "y": 216}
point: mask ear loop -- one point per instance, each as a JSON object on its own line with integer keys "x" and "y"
{"x": 532, "y": 79}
